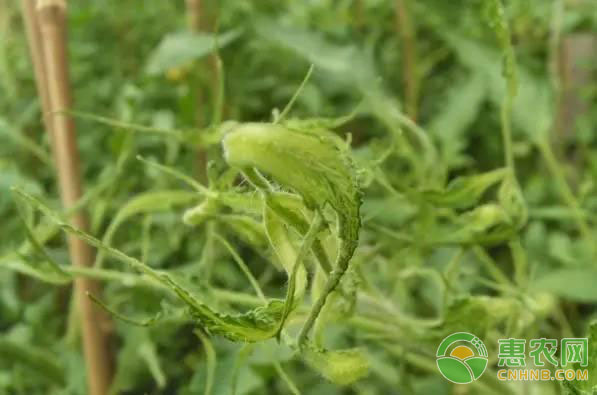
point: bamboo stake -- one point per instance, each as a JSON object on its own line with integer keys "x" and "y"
{"x": 407, "y": 34}
{"x": 52, "y": 20}
{"x": 194, "y": 23}
{"x": 194, "y": 15}
{"x": 37, "y": 58}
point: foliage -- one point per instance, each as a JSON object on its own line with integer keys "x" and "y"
{"x": 332, "y": 241}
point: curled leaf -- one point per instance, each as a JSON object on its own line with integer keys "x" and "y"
{"x": 315, "y": 164}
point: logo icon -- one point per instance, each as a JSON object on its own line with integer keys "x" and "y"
{"x": 461, "y": 358}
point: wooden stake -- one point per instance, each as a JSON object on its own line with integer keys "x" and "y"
{"x": 52, "y": 20}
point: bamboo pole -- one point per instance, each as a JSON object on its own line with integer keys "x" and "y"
{"x": 51, "y": 16}
{"x": 37, "y": 58}
{"x": 194, "y": 15}
{"x": 407, "y": 34}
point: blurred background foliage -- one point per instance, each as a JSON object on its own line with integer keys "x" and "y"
{"x": 423, "y": 261}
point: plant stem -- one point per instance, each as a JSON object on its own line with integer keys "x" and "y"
{"x": 506, "y": 113}
{"x": 52, "y": 19}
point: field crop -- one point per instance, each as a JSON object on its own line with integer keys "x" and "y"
{"x": 314, "y": 197}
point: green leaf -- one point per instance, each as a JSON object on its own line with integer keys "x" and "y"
{"x": 532, "y": 89}
{"x": 135, "y": 359}
{"x": 459, "y": 110}
{"x": 148, "y": 202}
{"x": 464, "y": 192}
{"x": 575, "y": 284}
{"x": 284, "y": 250}
{"x": 178, "y": 49}
{"x": 147, "y": 351}
{"x": 332, "y": 58}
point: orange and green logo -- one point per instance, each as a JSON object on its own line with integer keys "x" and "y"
{"x": 461, "y": 358}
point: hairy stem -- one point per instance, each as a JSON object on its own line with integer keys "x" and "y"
{"x": 330, "y": 286}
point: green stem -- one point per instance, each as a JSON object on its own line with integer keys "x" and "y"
{"x": 295, "y": 96}
{"x": 287, "y": 380}
{"x": 330, "y": 286}
{"x": 305, "y": 248}
{"x": 243, "y": 267}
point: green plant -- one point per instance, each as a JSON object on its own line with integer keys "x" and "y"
{"x": 350, "y": 245}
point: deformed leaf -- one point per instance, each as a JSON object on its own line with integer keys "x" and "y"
{"x": 341, "y": 367}
{"x": 258, "y": 324}
{"x": 316, "y": 165}
{"x": 511, "y": 199}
